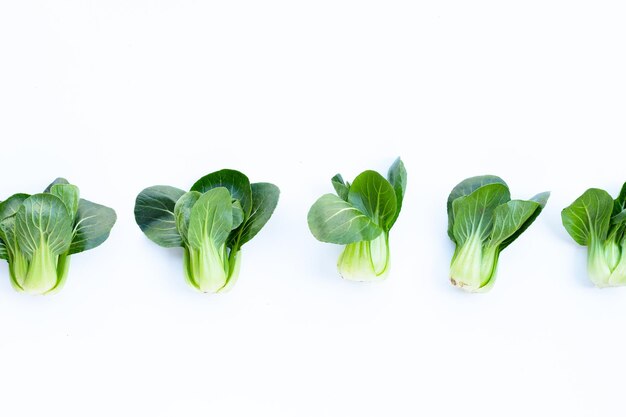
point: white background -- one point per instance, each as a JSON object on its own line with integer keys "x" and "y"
{"x": 120, "y": 95}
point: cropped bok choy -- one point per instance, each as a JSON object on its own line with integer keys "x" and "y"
{"x": 211, "y": 222}
{"x": 597, "y": 221}
{"x": 482, "y": 222}
{"x": 39, "y": 233}
{"x": 360, "y": 216}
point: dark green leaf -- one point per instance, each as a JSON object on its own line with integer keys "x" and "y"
{"x": 465, "y": 188}
{"x": 340, "y": 187}
{"x": 509, "y": 218}
{"x": 234, "y": 181}
{"x": 373, "y": 196}
{"x": 620, "y": 201}
{"x": 92, "y": 226}
{"x": 589, "y": 216}
{"x": 7, "y": 234}
{"x": 55, "y": 182}
{"x": 397, "y": 178}
{"x": 238, "y": 211}
{"x": 264, "y": 201}
{"x": 4, "y": 254}
{"x": 619, "y": 218}
{"x": 334, "y": 220}
{"x": 11, "y": 205}
{"x": 154, "y": 213}
{"x": 541, "y": 199}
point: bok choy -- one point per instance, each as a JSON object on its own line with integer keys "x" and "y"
{"x": 482, "y": 222}
{"x": 211, "y": 222}
{"x": 597, "y": 221}
{"x": 39, "y": 233}
{"x": 360, "y": 217}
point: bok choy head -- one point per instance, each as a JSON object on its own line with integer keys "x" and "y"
{"x": 482, "y": 222}
{"x": 39, "y": 233}
{"x": 360, "y": 217}
{"x": 597, "y": 221}
{"x": 211, "y": 222}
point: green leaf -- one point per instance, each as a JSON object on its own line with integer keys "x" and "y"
{"x": 238, "y": 214}
{"x": 154, "y": 213}
{"x": 465, "y": 188}
{"x": 334, "y": 220}
{"x": 234, "y": 181}
{"x": 264, "y": 201}
{"x": 509, "y": 218}
{"x": 7, "y": 234}
{"x": 373, "y": 196}
{"x": 69, "y": 194}
{"x": 4, "y": 253}
{"x": 397, "y": 178}
{"x": 92, "y": 226}
{"x": 43, "y": 220}
{"x": 473, "y": 214}
{"x": 211, "y": 218}
{"x": 8, "y": 210}
{"x": 55, "y": 182}
{"x": 340, "y": 187}
{"x": 619, "y": 218}
{"x": 541, "y": 199}
{"x": 588, "y": 216}
{"x": 11, "y": 205}
{"x": 182, "y": 212}
{"x": 620, "y": 201}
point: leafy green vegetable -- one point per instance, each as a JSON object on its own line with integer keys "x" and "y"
{"x": 482, "y": 221}
{"x": 597, "y": 221}
{"x": 39, "y": 233}
{"x": 360, "y": 216}
{"x": 212, "y": 221}
{"x": 154, "y": 213}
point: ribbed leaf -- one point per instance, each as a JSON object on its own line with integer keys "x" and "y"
{"x": 509, "y": 218}
{"x": 541, "y": 199}
{"x": 373, "y": 196}
{"x": 238, "y": 214}
{"x": 589, "y": 216}
{"x": 398, "y": 178}
{"x": 154, "y": 213}
{"x": 182, "y": 212}
{"x": 474, "y": 214}
{"x": 264, "y": 201}
{"x": 465, "y": 188}
{"x": 334, "y": 220}
{"x": 92, "y": 226}
{"x": 211, "y": 218}
{"x": 69, "y": 194}
{"x": 11, "y": 205}
{"x": 43, "y": 220}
